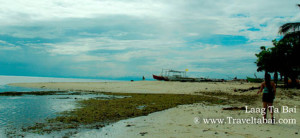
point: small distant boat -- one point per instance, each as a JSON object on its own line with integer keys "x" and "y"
{"x": 257, "y": 80}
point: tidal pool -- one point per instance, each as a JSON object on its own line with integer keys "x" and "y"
{"x": 26, "y": 110}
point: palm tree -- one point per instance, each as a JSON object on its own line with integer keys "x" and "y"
{"x": 290, "y": 27}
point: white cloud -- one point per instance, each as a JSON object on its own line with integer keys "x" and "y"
{"x": 8, "y": 46}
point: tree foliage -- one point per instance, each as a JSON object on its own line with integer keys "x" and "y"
{"x": 284, "y": 56}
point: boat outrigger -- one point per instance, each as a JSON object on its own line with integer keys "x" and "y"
{"x": 256, "y": 80}
{"x": 174, "y": 75}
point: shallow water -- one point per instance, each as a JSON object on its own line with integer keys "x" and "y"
{"x": 19, "y": 111}
{"x": 7, "y": 88}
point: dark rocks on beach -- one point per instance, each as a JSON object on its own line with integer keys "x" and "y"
{"x": 128, "y": 125}
{"x": 206, "y": 130}
{"x": 234, "y": 108}
{"x": 99, "y": 126}
{"x": 143, "y": 133}
{"x": 245, "y": 90}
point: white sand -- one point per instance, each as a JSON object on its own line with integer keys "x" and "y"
{"x": 179, "y": 121}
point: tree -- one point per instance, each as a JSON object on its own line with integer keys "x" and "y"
{"x": 291, "y": 32}
{"x": 265, "y": 60}
{"x": 283, "y": 57}
{"x": 291, "y": 42}
{"x": 289, "y": 27}
{"x": 269, "y": 60}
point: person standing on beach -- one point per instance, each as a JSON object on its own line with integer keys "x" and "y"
{"x": 269, "y": 90}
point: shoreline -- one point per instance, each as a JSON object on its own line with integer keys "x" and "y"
{"x": 160, "y": 87}
{"x": 178, "y": 121}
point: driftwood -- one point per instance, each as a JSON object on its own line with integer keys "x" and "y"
{"x": 234, "y": 108}
{"x": 245, "y": 90}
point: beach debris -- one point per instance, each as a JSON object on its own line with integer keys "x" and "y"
{"x": 143, "y": 133}
{"x": 129, "y": 125}
{"x": 245, "y": 90}
{"x": 99, "y": 126}
{"x": 234, "y": 108}
{"x": 206, "y": 130}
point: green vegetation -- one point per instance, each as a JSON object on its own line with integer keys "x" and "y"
{"x": 283, "y": 57}
{"x": 95, "y": 113}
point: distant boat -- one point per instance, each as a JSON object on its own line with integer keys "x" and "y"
{"x": 159, "y": 77}
{"x": 257, "y": 80}
{"x": 174, "y": 75}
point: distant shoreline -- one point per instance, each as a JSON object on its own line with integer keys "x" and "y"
{"x": 142, "y": 86}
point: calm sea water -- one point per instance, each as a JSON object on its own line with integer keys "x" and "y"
{"x": 19, "y": 111}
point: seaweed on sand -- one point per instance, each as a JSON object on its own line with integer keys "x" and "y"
{"x": 95, "y": 111}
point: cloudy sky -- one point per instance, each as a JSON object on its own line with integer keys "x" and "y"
{"x": 131, "y": 38}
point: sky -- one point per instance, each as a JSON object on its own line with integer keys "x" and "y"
{"x": 123, "y": 39}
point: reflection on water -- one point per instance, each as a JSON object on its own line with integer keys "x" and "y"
{"x": 18, "y": 111}
{"x": 6, "y": 88}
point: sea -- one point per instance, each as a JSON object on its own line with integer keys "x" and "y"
{"x": 26, "y": 110}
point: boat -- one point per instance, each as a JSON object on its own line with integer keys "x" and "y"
{"x": 159, "y": 77}
{"x": 257, "y": 80}
{"x": 174, "y": 75}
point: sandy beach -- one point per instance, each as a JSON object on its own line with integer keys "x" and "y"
{"x": 143, "y": 86}
{"x": 180, "y": 121}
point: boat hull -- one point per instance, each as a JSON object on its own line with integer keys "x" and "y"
{"x": 160, "y": 78}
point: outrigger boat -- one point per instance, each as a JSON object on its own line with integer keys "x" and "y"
{"x": 257, "y": 80}
{"x": 159, "y": 77}
{"x": 174, "y": 75}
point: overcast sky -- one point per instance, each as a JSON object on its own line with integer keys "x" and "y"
{"x": 132, "y": 38}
